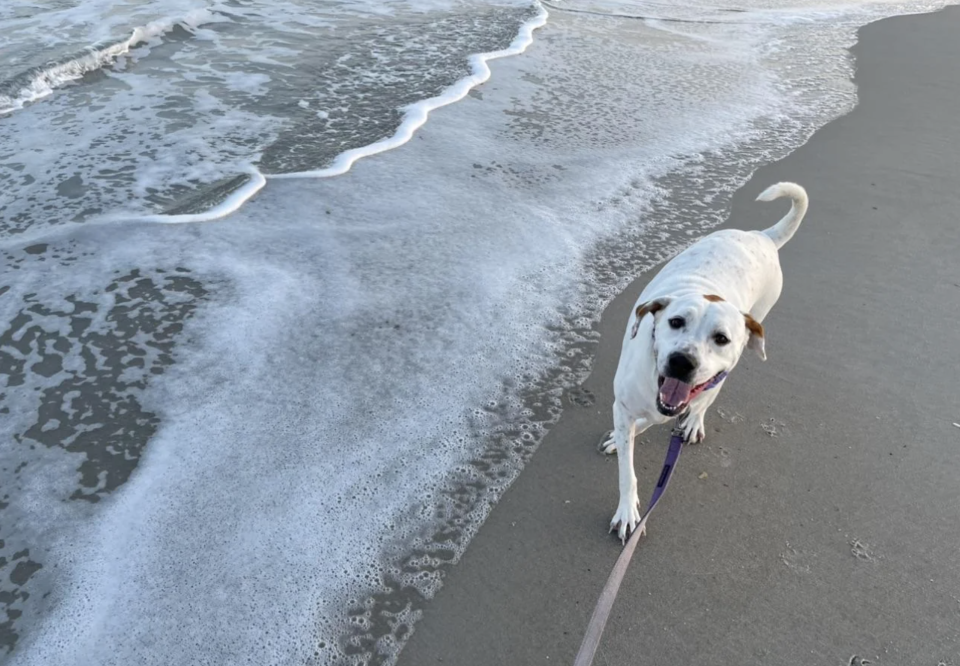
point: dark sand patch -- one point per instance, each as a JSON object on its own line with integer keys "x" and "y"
{"x": 85, "y": 357}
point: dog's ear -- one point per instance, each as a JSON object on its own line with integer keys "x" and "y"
{"x": 755, "y": 341}
{"x": 650, "y": 307}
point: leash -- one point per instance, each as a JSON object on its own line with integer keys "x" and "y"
{"x": 598, "y": 621}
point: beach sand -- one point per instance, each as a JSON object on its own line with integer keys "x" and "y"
{"x": 820, "y": 521}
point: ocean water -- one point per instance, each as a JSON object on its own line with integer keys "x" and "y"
{"x": 274, "y": 340}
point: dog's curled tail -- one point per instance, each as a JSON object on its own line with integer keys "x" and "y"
{"x": 783, "y": 230}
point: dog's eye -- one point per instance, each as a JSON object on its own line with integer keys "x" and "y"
{"x": 676, "y": 322}
{"x": 721, "y": 339}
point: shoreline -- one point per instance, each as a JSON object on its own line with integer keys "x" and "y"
{"x": 743, "y": 555}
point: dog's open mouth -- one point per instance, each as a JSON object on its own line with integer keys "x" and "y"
{"x": 674, "y": 395}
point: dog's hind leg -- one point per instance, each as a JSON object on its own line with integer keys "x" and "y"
{"x": 691, "y": 422}
{"x": 625, "y": 429}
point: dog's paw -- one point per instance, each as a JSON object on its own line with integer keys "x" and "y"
{"x": 626, "y": 518}
{"x": 608, "y": 444}
{"x": 693, "y": 429}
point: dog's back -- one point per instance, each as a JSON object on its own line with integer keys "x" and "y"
{"x": 742, "y": 266}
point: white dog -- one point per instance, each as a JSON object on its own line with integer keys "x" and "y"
{"x": 690, "y": 326}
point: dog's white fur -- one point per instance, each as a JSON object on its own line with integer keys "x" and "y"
{"x": 742, "y": 268}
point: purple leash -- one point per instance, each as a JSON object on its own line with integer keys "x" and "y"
{"x": 591, "y": 640}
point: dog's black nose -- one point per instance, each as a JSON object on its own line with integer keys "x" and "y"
{"x": 681, "y": 366}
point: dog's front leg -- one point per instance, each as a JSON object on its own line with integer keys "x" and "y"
{"x": 625, "y": 429}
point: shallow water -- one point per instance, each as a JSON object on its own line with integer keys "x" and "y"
{"x": 263, "y": 439}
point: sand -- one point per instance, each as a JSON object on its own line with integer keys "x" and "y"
{"x": 820, "y": 521}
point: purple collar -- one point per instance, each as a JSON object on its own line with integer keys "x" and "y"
{"x": 719, "y": 377}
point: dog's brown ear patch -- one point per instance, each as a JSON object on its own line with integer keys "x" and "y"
{"x": 756, "y": 328}
{"x": 756, "y": 340}
{"x": 713, "y": 298}
{"x": 650, "y": 307}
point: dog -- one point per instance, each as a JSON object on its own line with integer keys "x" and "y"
{"x": 688, "y": 329}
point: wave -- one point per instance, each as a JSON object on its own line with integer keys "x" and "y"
{"x": 414, "y": 118}
{"x": 41, "y": 82}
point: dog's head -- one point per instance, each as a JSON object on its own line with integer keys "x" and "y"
{"x": 696, "y": 337}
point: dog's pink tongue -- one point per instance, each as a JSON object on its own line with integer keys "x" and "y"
{"x": 673, "y": 392}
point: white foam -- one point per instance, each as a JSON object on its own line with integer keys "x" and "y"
{"x": 228, "y": 206}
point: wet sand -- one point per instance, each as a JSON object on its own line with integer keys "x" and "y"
{"x": 820, "y": 521}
